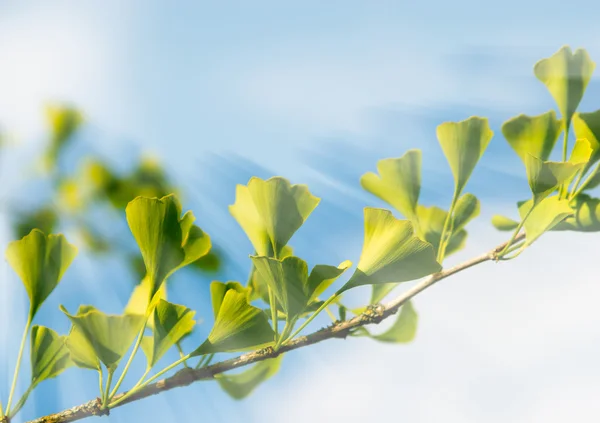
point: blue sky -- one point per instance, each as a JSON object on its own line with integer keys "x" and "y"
{"x": 318, "y": 92}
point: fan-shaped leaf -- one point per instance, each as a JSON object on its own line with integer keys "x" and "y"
{"x": 545, "y": 177}
{"x": 463, "y": 144}
{"x": 108, "y": 336}
{"x": 586, "y": 217}
{"x": 49, "y": 355}
{"x": 166, "y": 240}
{"x": 398, "y": 182}
{"x": 566, "y": 75}
{"x": 391, "y": 252}
{"x": 259, "y": 286}
{"x": 533, "y": 135}
{"x": 140, "y": 299}
{"x": 240, "y": 385}
{"x": 172, "y": 322}
{"x": 587, "y": 125}
{"x": 545, "y": 215}
{"x": 238, "y": 326}
{"x": 271, "y": 211}
{"x": 40, "y": 261}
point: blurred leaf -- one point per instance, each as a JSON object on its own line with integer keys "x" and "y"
{"x": 391, "y": 252}
{"x": 210, "y": 262}
{"x": 582, "y": 152}
{"x": 398, "y": 182}
{"x": 44, "y": 219}
{"x": 533, "y": 135}
{"x": 40, "y": 261}
{"x": 108, "y": 336}
{"x": 404, "y": 328}
{"x": 238, "y": 326}
{"x": 586, "y": 217}
{"x": 503, "y": 223}
{"x": 63, "y": 121}
{"x": 172, "y": 322}
{"x": 271, "y": 211}
{"x": 240, "y": 385}
{"x": 587, "y": 125}
{"x": 566, "y": 75}
{"x": 463, "y": 144}
{"x": 140, "y": 299}
{"x": 166, "y": 241}
{"x": 49, "y": 355}
{"x": 544, "y": 216}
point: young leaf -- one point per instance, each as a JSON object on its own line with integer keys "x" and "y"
{"x": 218, "y": 291}
{"x": 271, "y": 211}
{"x": 503, "y": 223}
{"x": 566, "y": 75}
{"x": 586, "y": 217}
{"x": 81, "y": 351}
{"x": 463, "y": 144}
{"x": 166, "y": 240}
{"x": 294, "y": 289}
{"x": 238, "y": 327}
{"x": 533, "y": 135}
{"x": 172, "y": 323}
{"x": 404, "y": 328}
{"x": 108, "y": 336}
{"x": 391, "y": 252}
{"x": 240, "y": 385}
{"x": 258, "y": 286}
{"x": 545, "y": 215}
{"x": 582, "y": 152}
{"x": 587, "y": 126}
{"x": 398, "y": 182}
{"x": 49, "y": 355}
{"x": 40, "y": 261}
{"x": 140, "y": 299}
{"x": 545, "y": 177}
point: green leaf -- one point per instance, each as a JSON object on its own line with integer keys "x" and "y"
{"x": 167, "y": 241}
{"x": 240, "y": 385}
{"x": 582, "y": 152}
{"x": 108, "y": 336}
{"x": 140, "y": 299}
{"x": 391, "y": 252}
{"x": 463, "y": 144}
{"x": 503, "y": 223}
{"x": 586, "y": 217}
{"x": 271, "y": 211}
{"x": 545, "y": 177}
{"x": 398, "y": 182}
{"x": 544, "y": 216}
{"x": 467, "y": 208}
{"x": 404, "y": 328}
{"x": 293, "y": 288}
{"x": 49, "y": 355}
{"x": 594, "y": 180}
{"x": 81, "y": 351}
{"x": 533, "y": 135}
{"x": 566, "y": 75}
{"x": 218, "y": 291}
{"x": 259, "y": 286}
{"x": 44, "y": 219}
{"x": 431, "y": 221}
{"x": 172, "y": 322}
{"x": 40, "y": 261}
{"x": 238, "y": 326}
{"x": 587, "y": 126}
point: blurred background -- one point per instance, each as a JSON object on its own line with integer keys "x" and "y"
{"x": 103, "y": 101}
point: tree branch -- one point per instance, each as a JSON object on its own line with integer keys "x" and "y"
{"x": 187, "y": 376}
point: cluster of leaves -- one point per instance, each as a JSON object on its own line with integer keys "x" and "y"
{"x": 281, "y": 290}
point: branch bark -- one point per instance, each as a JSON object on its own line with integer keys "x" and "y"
{"x": 187, "y": 376}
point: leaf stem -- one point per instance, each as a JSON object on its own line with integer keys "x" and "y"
{"x": 587, "y": 181}
{"x": 181, "y": 353}
{"x": 505, "y": 250}
{"x": 138, "y": 342}
{"x": 273, "y": 305}
{"x": 21, "y": 401}
{"x": 107, "y": 388}
{"x": 444, "y": 234}
{"x": 563, "y": 188}
{"x": 311, "y": 317}
{"x": 18, "y": 365}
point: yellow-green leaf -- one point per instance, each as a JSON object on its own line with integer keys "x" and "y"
{"x": 463, "y": 144}
{"x": 49, "y": 355}
{"x": 63, "y": 121}
{"x": 545, "y": 177}
{"x": 271, "y": 211}
{"x": 259, "y": 287}
{"x": 218, "y": 291}
{"x": 172, "y": 322}
{"x": 503, "y": 223}
{"x": 240, "y": 385}
{"x": 108, "y": 335}
{"x": 81, "y": 351}
{"x": 566, "y": 75}
{"x": 586, "y": 217}
{"x": 398, "y": 182}
{"x": 40, "y": 261}
{"x": 166, "y": 240}
{"x": 391, "y": 252}
{"x": 140, "y": 299}
{"x": 545, "y": 215}
{"x": 238, "y": 326}
{"x": 533, "y": 135}
{"x": 587, "y": 125}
